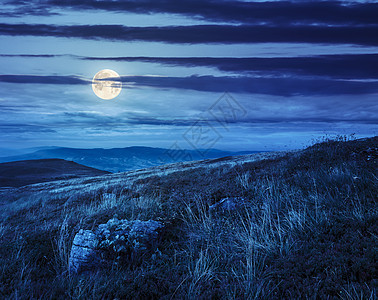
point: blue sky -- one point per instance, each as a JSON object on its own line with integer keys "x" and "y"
{"x": 293, "y": 71}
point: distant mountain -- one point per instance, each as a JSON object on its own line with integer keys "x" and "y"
{"x": 122, "y": 159}
{"x": 20, "y": 173}
{"x": 4, "y": 152}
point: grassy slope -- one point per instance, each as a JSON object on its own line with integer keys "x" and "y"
{"x": 308, "y": 229}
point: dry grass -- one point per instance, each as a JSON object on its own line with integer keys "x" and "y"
{"x": 306, "y": 230}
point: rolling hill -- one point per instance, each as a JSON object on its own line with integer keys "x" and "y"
{"x": 20, "y": 173}
{"x": 122, "y": 159}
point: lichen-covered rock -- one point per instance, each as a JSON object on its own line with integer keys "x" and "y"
{"x": 128, "y": 236}
{"x": 116, "y": 239}
{"x": 84, "y": 254}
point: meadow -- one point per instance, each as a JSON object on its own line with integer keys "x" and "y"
{"x": 304, "y": 226}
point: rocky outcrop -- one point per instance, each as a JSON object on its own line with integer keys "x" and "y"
{"x": 114, "y": 241}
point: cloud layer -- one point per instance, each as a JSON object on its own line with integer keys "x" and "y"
{"x": 308, "y": 79}
{"x": 339, "y": 66}
{"x": 205, "y": 34}
{"x": 235, "y": 84}
{"x": 270, "y": 12}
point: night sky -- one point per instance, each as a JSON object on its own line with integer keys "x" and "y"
{"x": 231, "y": 75}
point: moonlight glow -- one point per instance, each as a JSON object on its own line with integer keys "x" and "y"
{"x": 107, "y": 89}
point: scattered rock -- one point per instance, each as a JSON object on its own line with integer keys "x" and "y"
{"x": 115, "y": 240}
{"x": 84, "y": 253}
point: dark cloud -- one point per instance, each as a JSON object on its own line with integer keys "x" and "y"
{"x": 31, "y": 55}
{"x": 221, "y": 34}
{"x": 42, "y": 79}
{"x": 275, "y": 12}
{"x": 340, "y": 66}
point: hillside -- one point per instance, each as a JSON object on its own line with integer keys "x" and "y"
{"x": 20, "y": 173}
{"x": 297, "y": 225}
{"x": 122, "y": 159}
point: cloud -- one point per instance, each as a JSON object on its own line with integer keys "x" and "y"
{"x": 219, "y": 34}
{"x": 340, "y": 66}
{"x": 22, "y": 8}
{"x": 122, "y": 120}
{"x": 25, "y": 128}
{"x": 270, "y": 12}
{"x": 32, "y": 55}
{"x": 335, "y": 114}
{"x": 235, "y": 84}
{"x": 342, "y": 109}
{"x": 42, "y": 79}
{"x": 269, "y": 86}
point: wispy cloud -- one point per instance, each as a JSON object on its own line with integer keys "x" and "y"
{"x": 24, "y": 127}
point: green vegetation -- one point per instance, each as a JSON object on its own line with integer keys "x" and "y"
{"x": 307, "y": 229}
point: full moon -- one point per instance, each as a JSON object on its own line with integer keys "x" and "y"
{"x": 106, "y": 89}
